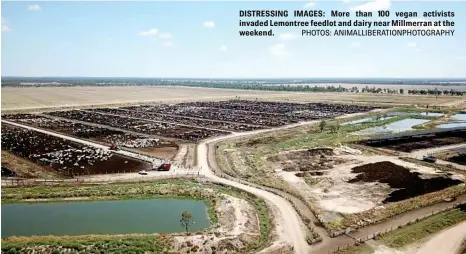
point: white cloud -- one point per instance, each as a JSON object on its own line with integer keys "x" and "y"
{"x": 310, "y": 4}
{"x": 278, "y": 50}
{"x": 412, "y": 44}
{"x": 209, "y": 24}
{"x": 373, "y": 6}
{"x": 34, "y": 7}
{"x": 149, "y": 32}
{"x": 288, "y": 36}
{"x": 165, "y": 35}
{"x": 355, "y": 44}
{"x": 5, "y": 27}
{"x": 168, "y": 44}
{"x": 223, "y": 48}
{"x": 345, "y": 1}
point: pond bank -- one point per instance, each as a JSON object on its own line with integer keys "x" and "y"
{"x": 219, "y": 236}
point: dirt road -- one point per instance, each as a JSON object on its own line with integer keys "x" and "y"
{"x": 150, "y": 159}
{"x": 289, "y": 225}
{"x": 291, "y": 228}
{"x": 447, "y": 241}
{"x": 419, "y": 153}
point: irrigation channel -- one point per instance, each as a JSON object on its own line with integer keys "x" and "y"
{"x": 101, "y": 217}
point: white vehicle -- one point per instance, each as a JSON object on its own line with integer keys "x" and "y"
{"x": 142, "y": 172}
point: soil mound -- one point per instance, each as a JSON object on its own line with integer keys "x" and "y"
{"x": 408, "y": 184}
{"x": 460, "y": 159}
{"x": 315, "y": 159}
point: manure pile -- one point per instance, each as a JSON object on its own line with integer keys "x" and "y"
{"x": 408, "y": 184}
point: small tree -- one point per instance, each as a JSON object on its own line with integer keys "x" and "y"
{"x": 322, "y": 125}
{"x": 186, "y": 220}
{"x": 334, "y": 128}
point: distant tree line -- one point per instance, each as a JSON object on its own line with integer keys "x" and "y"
{"x": 232, "y": 85}
{"x": 435, "y": 91}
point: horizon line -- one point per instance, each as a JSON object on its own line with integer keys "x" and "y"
{"x": 244, "y": 78}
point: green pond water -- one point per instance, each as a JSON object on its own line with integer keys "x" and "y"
{"x": 101, "y": 217}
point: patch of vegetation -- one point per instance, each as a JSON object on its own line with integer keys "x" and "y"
{"x": 415, "y": 109}
{"x": 195, "y": 162}
{"x": 357, "y": 249}
{"x": 417, "y": 231}
{"x": 89, "y": 244}
{"x": 311, "y": 180}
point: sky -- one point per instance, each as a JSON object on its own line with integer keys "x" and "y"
{"x": 201, "y": 40}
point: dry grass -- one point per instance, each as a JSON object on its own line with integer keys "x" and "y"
{"x": 27, "y": 98}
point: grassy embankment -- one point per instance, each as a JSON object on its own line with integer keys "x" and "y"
{"x": 420, "y": 230}
{"x": 414, "y": 232}
{"x": 155, "y": 243}
{"x": 246, "y": 158}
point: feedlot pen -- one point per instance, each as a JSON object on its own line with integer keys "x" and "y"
{"x": 147, "y": 127}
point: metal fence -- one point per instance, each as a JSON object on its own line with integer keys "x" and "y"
{"x": 146, "y": 178}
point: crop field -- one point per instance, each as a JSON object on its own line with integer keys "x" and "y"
{"x": 158, "y": 147}
{"x": 26, "y": 98}
{"x": 410, "y": 143}
{"x": 64, "y": 156}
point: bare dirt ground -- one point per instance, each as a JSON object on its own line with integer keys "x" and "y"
{"x": 25, "y": 168}
{"x": 332, "y": 192}
{"x": 382, "y": 249}
{"x": 165, "y": 152}
{"x": 14, "y": 98}
{"x": 185, "y": 155}
{"x": 238, "y": 225}
{"x": 44, "y": 97}
{"x": 447, "y": 241}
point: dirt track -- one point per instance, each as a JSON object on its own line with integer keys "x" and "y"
{"x": 447, "y": 241}
{"x": 290, "y": 227}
